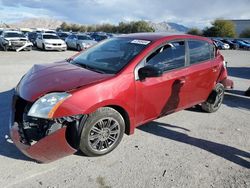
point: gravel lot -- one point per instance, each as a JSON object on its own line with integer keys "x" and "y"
{"x": 186, "y": 149}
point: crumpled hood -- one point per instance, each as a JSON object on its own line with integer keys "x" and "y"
{"x": 55, "y": 77}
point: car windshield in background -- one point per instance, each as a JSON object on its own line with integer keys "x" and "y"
{"x": 13, "y": 35}
{"x": 50, "y": 37}
{"x": 110, "y": 56}
{"x": 63, "y": 34}
{"x": 83, "y": 37}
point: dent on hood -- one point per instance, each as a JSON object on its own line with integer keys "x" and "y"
{"x": 63, "y": 76}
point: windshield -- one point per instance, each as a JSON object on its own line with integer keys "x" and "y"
{"x": 63, "y": 34}
{"x": 84, "y": 37}
{"x": 12, "y": 35}
{"x": 111, "y": 55}
{"x": 50, "y": 37}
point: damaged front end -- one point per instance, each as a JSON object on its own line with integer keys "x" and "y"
{"x": 42, "y": 139}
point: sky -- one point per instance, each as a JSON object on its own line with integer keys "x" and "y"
{"x": 191, "y": 13}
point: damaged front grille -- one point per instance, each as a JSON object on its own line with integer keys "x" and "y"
{"x": 18, "y": 43}
{"x": 32, "y": 129}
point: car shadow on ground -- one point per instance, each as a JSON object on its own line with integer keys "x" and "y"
{"x": 240, "y": 72}
{"x": 7, "y": 148}
{"x": 237, "y": 100}
{"x": 227, "y": 152}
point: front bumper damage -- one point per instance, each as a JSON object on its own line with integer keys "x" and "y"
{"x": 41, "y": 139}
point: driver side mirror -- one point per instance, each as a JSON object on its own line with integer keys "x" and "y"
{"x": 149, "y": 71}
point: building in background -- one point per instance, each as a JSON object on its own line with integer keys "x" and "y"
{"x": 241, "y": 25}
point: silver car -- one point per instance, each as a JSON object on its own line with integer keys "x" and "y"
{"x": 79, "y": 41}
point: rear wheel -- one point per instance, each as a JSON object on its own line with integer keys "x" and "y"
{"x": 215, "y": 99}
{"x": 78, "y": 47}
{"x": 102, "y": 132}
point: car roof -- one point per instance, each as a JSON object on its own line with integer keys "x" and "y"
{"x": 6, "y": 31}
{"x": 158, "y": 36}
{"x": 49, "y": 34}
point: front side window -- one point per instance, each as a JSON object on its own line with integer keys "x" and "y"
{"x": 199, "y": 51}
{"x": 168, "y": 57}
{"x": 111, "y": 55}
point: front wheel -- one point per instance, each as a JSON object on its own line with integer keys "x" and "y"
{"x": 102, "y": 132}
{"x": 5, "y": 48}
{"x": 215, "y": 99}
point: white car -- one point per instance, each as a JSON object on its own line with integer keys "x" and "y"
{"x": 14, "y": 40}
{"x": 48, "y": 41}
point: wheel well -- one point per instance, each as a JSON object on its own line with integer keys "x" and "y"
{"x": 124, "y": 115}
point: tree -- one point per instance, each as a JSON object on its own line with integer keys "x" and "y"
{"x": 245, "y": 33}
{"x": 195, "y": 31}
{"x": 220, "y": 28}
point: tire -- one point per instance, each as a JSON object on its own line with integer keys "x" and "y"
{"x": 102, "y": 132}
{"x": 43, "y": 48}
{"x": 215, "y": 99}
{"x": 78, "y": 48}
{"x": 5, "y": 48}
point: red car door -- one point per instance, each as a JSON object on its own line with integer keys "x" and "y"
{"x": 157, "y": 96}
{"x": 202, "y": 71}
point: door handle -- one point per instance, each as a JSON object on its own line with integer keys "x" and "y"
{"x": 215, "y": 69}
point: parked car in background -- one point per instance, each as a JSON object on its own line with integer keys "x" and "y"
{"x": 242, "y": 44}
{"x": 63, "y": 35}
{"x": 89, "y": 101}
{"x": 232, "y": 45}
{"x": 99, "y": 36}
{"x": 221, "y": 45}
{"x": 32, "y": 37}
{"x": 47, "y": 41}
{"x": 14, "y": 40}
{"x": 79, "y": 41}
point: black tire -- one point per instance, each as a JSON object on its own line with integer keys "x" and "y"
{"x": 43, "y": 47}
{"x": 5, "y": 48}
{"x": 215, "y": 99}
{"x": 99, "y": 128}
{"x": 78, "y": 48}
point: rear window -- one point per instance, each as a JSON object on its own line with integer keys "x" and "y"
{"x": 199, "y": 51}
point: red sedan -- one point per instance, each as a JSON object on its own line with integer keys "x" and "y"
{"x": 90, "y": 100}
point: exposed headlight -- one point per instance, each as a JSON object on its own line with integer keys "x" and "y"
{"x": 47, "y": 105}
{"x": 46, "y": 43}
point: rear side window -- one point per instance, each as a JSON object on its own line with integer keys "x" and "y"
{"x": 199, "y": 51}
{"x": 168, "y": 57}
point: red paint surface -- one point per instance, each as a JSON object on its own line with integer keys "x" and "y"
{"x": 142, "y": 100}
{"x": 48, "y": 149}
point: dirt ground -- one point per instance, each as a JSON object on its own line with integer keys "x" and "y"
{"x": 186, "y": 149}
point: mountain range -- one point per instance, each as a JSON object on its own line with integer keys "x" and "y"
{"x": 53, "y": 24}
